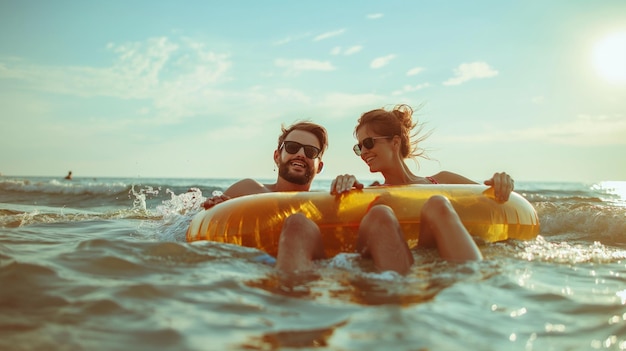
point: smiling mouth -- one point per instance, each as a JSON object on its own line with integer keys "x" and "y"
{"x": 299, "y": 164}
{"x": 369, "y": 159}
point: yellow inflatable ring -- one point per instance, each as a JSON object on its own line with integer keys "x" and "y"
{"x": 257, "y": 220}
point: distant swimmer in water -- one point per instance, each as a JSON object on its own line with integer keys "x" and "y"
{"x": 69, "y": 175}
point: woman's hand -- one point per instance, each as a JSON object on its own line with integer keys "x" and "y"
{"x": 502, "y": 184}
{"x": 344, "y": 183}
{"x": 214, "y": 200}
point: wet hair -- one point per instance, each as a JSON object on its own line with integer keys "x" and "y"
{"x": 398, "y": 121}
{"x": 307, "y": 126}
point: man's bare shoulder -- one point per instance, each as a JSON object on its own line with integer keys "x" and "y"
{"x": 247, "y": 186}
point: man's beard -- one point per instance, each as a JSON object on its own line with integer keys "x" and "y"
{"x": 300, "y": 179}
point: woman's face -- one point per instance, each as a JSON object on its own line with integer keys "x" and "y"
{"x": 381, "y": 154}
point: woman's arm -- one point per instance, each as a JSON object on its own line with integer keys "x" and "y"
{"x": 501, "y": 182}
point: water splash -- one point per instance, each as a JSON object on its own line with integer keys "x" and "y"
{"x": 139, "y": 201}
{"x": 191, "y": 201}
{"x": 176, "y": 214}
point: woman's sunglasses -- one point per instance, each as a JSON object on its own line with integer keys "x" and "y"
{"x": 367, "y": 143}
{"x": 293, "y": 147}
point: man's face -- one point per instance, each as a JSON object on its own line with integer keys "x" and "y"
{"x": 297, "y": 168}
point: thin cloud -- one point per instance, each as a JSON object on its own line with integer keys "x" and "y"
{"x": 414, "y": 71}
{"x": 469, "y": 71}
{"x": 374, "y": 16}
{"x": 381, "y": 61}
{"x": 594, "y": 130}
{"x": 337, "y": 50}
{"x": 137, "y": 73}
{"x": 296, "y": 66}
{"x": 411, "y": 88}
{"x": 291, "y": 38}
{"x": 353, "y": 50}
{"x": 329, "y": 35}
{"x": 176, "y": 76}
{"x": 283, "y": 41}
{"x": 173, "y": 79}
{"x": 292, "y": 95}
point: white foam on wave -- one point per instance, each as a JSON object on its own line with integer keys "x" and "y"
{"x": 567, "y": 252}
{"x": 614, "y": 191}
{"x": 62, "y": 187}
{"x": 598, "y": 222}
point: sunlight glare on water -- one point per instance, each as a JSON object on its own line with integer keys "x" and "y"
{"x": 616, "y": 189}
{"x": 564, "y": 252}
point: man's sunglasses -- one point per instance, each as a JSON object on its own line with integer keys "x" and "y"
{"x": 293, "y": 147}
{"x": 367, "y": 143}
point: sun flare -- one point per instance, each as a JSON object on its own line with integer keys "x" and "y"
{"x": 609, "y": 57}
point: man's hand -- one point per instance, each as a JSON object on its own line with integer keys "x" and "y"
{"x": 214, "y": 200}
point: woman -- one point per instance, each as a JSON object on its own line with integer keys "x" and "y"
{"x": 384, "y": 142}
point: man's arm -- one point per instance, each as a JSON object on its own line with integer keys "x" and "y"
{"x": 243, "y": 187}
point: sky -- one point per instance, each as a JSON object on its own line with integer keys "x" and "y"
{"x": 199, "y": 89}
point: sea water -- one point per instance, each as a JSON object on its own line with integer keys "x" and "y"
{"x": 102, "y": 264}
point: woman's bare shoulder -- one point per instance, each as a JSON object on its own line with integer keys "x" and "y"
{"x": 447, "y": 177}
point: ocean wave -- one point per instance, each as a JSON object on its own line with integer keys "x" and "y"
{"x": 63, "y": 187}
{"x": 34, "y": 218}
{"x": 593, "y": 221}
{"x": 608, "y": 192}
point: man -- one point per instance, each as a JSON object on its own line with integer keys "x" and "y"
{"x": 299, "y": 158}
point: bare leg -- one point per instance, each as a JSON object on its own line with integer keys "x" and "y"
{"x": 300, "y": 243}
{"x": 381, "y": 238}
{"x": 441, "y": 225}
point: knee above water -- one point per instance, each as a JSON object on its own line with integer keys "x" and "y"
{"x": 437, "y": 205}
{"x": 380, "y": 213}
{"x": 296, "y": 219}
{"x": 299, "y": 224}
